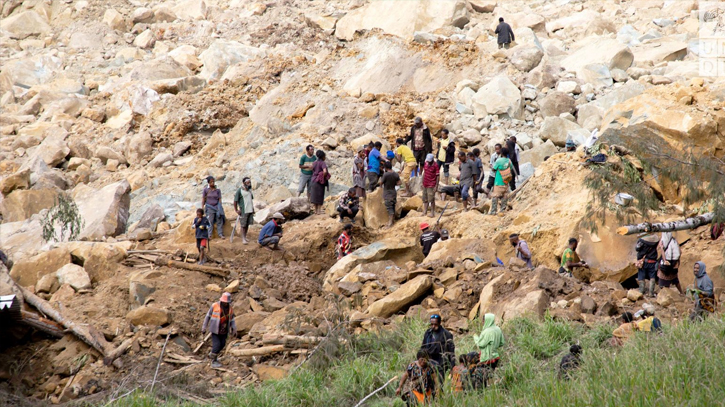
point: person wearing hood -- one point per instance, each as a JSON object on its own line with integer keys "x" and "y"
{"x": 647, "y": 263}
{"x": 669, "y": 251}
{"x": 489, "y": 343}
{"x": 422, "y": 143}
{"x": 219, "y": 321}
{"x": 703, "y": 292}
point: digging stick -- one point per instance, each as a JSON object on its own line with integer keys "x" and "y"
{"x": 441, "y": 215}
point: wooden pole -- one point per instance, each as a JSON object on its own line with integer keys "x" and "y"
{"x": 44, "y": 325}
{"x": 214, "y": 271}
{"x": 116, "y": 353}
{"x": 161, "y": 356}
{"x": 291, "y": 341}
{"x": 263, "y": 351}
{"x": 689, "y": 223}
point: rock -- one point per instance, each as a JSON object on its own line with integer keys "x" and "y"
{"x": 139, "y": 147}
{"x": 424, "y": 15}
{"x": 413, "y": 203}
{"x": 213, "y": 288}
{"x": 191, "y": 10}
{"x": 326, "y": 23}
{"x": 146, "y": 315}
{"x": 557, "y": 129}
{"x": 583, "y": 18}
{"x": 73, "y": 275}
{"x": 22, "y": 204}
{"x": 588, "y": 305}
{"x": 348, "y": 289}
{"x": 64, "y": 294}
{"x": 500, "y": 96}
{"x": 47, "y": 284}
{"x": 544, "y": 76}
{"x": 246, "y": 321}
{"x": 142, "y": 15}
{"x": 480, "y": 251}
{"x": 471, "y": 137}
{"x": 556, "y": 103}
{"x": 105, "y": 211}
{"x": 619, "y": 75}
{"x": 53, "y": 149}
{"x": 291, "y": 208}
{"x": 634, "y": 295}
{"x": 141, "y": 285}
{"x": 181, "y": 147}
{"x": 660, "y": 80}
{"x": 163, "y": 14}
{"x": 599, "y": 50}
{"x": 114, "y": 20}
{"x": 598, "y": 75}
{"x": 17, "y": 180}
{"x": 374, "y": 212}
{"x": 609, "y": 309}
{"x": 105, "y": 153}
{"x": 266, "y": 373}
{"x": 568, "y": 87}
{"x": 151, "y": 217}
{"x": 526, "y": 58}
{"x": 402, "y": 297}
{"x": 273, "y": 304}
{"x": 145, "y": 40}
{"x": 233, "y": 287}
{"x": 668, "y": 296}
{"x": 660, "y": 50}
{"x": 223, "y": 54}
{"x": 96, "y": 115}
{"x": 25, "y": 24}
{"x": 534, "y": 303}
{"x": 161, "y": 159}
{"x": 483, "y": 6}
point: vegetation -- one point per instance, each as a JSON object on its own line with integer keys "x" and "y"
{"x": 682, "y": 366}
{"x": 62, "y": 221}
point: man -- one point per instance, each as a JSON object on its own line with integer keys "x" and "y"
{"x": 648, "y": 323}
{"x": 446, "y": 154}
{"x": 646, "y": 248}
{"x": 444, "y": 235}
{"x": 389, "y": 180}
{"x": 465, "y": 177}
{"x": 492, "y": 175}
{"x": 405, "y": 155}
{"x": 374, "y": 160}
{"x": 211, "y": 201}
{"x": 421, "y": 141}
{"x": 438, "y": 344}
{"x": 570, "y": 362}
{"x": 570, "y": 259}
{"x": 344, "y": 242}
{"x": 522, "y": 249}
{"x": 428, "y": 238}
{"x": 477, "y": 167}
{"x": 244, "y": 207}
{"x": 306, "y": 162}
{"x": 505, "y": 34}
{"x": 271, "y": 233}
{"x": 450, "y": 190}
{"x": 219, "y": 321}
{"x": 625, "y": 331}
{"x": 431, "y": 178}
{"x": 488, "y": 343}
{"x": 348, "y": 205}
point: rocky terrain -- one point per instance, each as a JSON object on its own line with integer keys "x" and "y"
{"x": 127, "y": 106}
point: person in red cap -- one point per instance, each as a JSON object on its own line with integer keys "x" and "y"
{"x": 428, "y": 238}
{"x": 219, "y": 322}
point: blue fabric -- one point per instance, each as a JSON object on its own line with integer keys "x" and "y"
{"x": 202, "y": 233}
{"x": 374, "y": 161}
{"x": 267, "y": 230}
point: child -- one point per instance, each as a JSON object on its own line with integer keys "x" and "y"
{"x": 460, "y": 374}
{"x": 202, "y": 225}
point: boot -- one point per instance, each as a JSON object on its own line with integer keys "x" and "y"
{"x": 494, "y": 206}
{"x": 652, "y": 288}
{"x": 214, "y": 362}
{"x": 641, "y": 286}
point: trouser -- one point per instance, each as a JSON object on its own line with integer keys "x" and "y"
{"x": 372, "y": 181}
{"x": 419, "y": 159}
{"x": 214, "y": 218}
{"x": 270, "y": 241}
{"x": 446, "y": 168}
{"x": 305, "y": 182}
{"x": 218, "y": 342}
{"x": 344, "y": 214}
{"x": 506, "y": 45}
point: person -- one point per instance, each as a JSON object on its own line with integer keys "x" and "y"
{"x": 488, "y": 343}
{"x": 438, "y": 344}
{"x": 420, "y": 379}
{"x": 669, "y": 253}
{"x": 514, "y": 151}
{"x": 570, "y": 362}
{"x": 503, "y": 169}
{"x": 465, "y": 177}
{"x": 348, "y": 205}
{"x": 461, "y": 375}
{"x": 271, "y": 233}
{"x": 244, "y": 206}
{"x": 374, "y": 161}
{"x": 444, "y": 235}
{"x": 625, "y": 330}
{"x": 522, "y": 249}
{"x": 368, "y": 148}
{"x": 431, "y": 179}
{"x": 202, "y": 226}
{"x": 446, "y": 154}
{"x": 703, "y": 293}
{"x": 505, "y": 34}
{"x": 359, "y": 165}
{"x": 428, "y": 238}
{"x": 646, "y": 248}
{"x": 344, "y": 242}
{"x": 320, "y": 177}
{"x": 421, "y": 141}
{"x": 471, "y": 158}
{"x": 405, "y": 155}
{"x": 306, "y": 162}
{"x": 450, "y": 190}
{"x": 478, "y": 173}
{"x": 492, "y": 174}
{"x": 390, "y": 196}
{"x": 570, "y": 259}
{"x": 219, "y": 321}
{"x": 649, "y": 322}
{"x": 211, "y": 201}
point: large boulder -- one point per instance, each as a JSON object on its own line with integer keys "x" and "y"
{"x": 223, "y": 54}
{"x": 590, "y": 115}
{"x": 536, "y": 155}
{"x": 139, "y": 147}
{"x": 17, "y": 180}
{"x": 141, "y": 285}
{"x": 508, "y": 297}
{"x": 156, "y": 70}
{"x": 403, "y": 21}
{"x": 53, "y": 149}
{"x": 599, "y": 50}
{"x": 598, "y": 75}
{"x": 151, "y": 217}
{"x": 660, "y": 50}
{"x": 28, "y": 270}
{"x": 146, "y": 315}
{"x": 190, "y": 10}
{"x": 526, "y": 58}
{"x": 500, "y": 96}
{"x": 557, "y": 130}
{"x": 22, "y": 204}
{"x": 457, "y": 250}
{"x": 374, "y": 212}
{"x": 290, "y": 208}
{"x": 556, "y": 103}
{"x": 73, "y": 275}
{"x": 404, "y": 296}
{"x": 104, "y": 211}
{"x": 25, "y": 24}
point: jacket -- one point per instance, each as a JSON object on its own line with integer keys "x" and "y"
{"x": 427, "y": 140}
{"x": 505, "y": 33}
{"x": 647, "y": 247}
{"x": 490, "y": 340}
{"x": 211, "y": 321}
{"x": 439, "y": 346}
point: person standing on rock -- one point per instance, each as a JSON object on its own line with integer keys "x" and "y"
{"x": 244, "y": 206}
{"x": 201, "y": 225}
{"x": 446, "y": 154}
{"x": 513, "y": 149}
{"x": 306, "y": 162}
{"x": 504, "y": 174}
{"x": 421, "y": 141}
{"x": 438, "y": 344}
{"x": 348, "y": 205}
{"x": 271, "y": 233}
{"x": 374, "y": 161}
{"x": 404, "y": 154}
{"x": 219, "y": 321}
{"x": 522, "y": 249}
{"x": 390, "y": 196}
{"x": 428, "y": 238}
{"x": 505, "y": 34}
{"x": 669, "y": 253}
{"x": 570, "y": 259}
{"x": 320, "y": 178}
{"x": 488, "y": 343}
{"x": 465, "y": 177}
{"x": 646, "y": 248}
{"x": 359, "y": 166}
{"x": 211, "y": 201}
{"x": 492, "y": 174}
{"x": 431, "y": 178}
{"x": 344, "y": 242}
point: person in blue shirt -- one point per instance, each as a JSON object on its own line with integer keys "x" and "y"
{"x": 202, "y": 225}
{"x": 271, "y": 233}
{"x": 374, "y": 166}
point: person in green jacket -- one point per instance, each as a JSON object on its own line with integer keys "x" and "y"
{"x": 489, "y": 342}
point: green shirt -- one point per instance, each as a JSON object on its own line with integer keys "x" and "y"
{"x": 569, "y": 255}
{"x": 243, "y": 199}
{"x": 307, "y": 160}
{"x": 500, "y": 164}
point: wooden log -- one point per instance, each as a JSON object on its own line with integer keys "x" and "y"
{"x": 116, "y": 353}
{"x": 689, "y": 223}
{"x": 291, "y": 341}
{"x": 44, "y": 325}
{"x": 263, "y": 351}
{"x": 214, "y": 271}
{"x": 206, "y": 338}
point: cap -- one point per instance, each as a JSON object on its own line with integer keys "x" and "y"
{"x": 648, "y": 309}
{"x": 226, "y": 297}
{"x": 429, "y": 157}
{"x": 424, "y": 226}
{"x": 278, "y": 215}
{"x": 444, "y": 232}
{"x": 390, "y": 154}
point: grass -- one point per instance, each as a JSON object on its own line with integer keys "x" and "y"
{"x": 684, "y": 366}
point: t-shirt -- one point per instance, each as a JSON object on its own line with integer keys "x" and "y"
{"x": 428, "y": 239}
{"x": 467, "y": 172}
{"x": 442, "y": 150}
{"x": 268, "y": 230}
{"x": 202, "y": 226}
{"x": 374, "y": 161}
{"x": 477, "y": 168}
{"x": 501, "y": 164}
{"x": 390, "y": 180}
{"x": 569, "y": 255}
{"x": 243, "y": 199}
{"x": 430, "y": 174}
{"x": 406, "y": 153}
{"x": 307, "y": 160}
{"x": 213, "y": 196}
{"x": 418, "y": 142}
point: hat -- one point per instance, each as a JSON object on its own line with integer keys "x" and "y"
{"x": 444, "y": 232}
{"x": 424, "y": 226}
{"x": 429, "y": 157}
{"x": 390, "y": 155}
{"x": 226, "y": 297}
{"x": 278, "y": 215}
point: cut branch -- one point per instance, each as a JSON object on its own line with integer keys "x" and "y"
{"x": 44, "y": 325}
{"x": 689, "y": 223}
{"x": 292, "y": 341}
{"x": 263, "y": 351}
{"x": 214, "y": 271}
{"x": 116, "y": 353}
{"x": 376, "y": 391}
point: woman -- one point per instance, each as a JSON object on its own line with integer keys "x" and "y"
{"x": 358, "y": 172}
{"x": 669, "y": 251}
{"x": 320, "y": 176}
{"x": 421, "y": 382}
{"x": 489, "y": 343}
{"x": 704, "y": 294}
{"x": 503, "y": 168}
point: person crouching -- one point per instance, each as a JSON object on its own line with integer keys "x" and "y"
{"x": 219, "y": 321}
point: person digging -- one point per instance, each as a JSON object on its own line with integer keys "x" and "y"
{"x": 271, "y": 233}
{"x": 219, "y": 321}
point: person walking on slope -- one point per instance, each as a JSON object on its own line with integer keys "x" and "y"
{"x": 646, "y": 248}
{"x": 504, "y": 174}
{"x": 344, "y": 242}
{"x": 244, "y": 206}
{"x": 488, "y": 343}
{"x": 320, "y": 178}
{"x": 219, "y": 321}
{"x": 513, "y": 155}
{"x": 201, "y": 225}
{"x": 522, "y": 249}
{"x": 404, "y": 154}
{"x": 438, "y": 344}
{"x": 211, "y": 201}
{"x": 431, "y": 179}
{"x": 669, "y": 252}
{"x": 421, "y": 141}
{"x": 428, "y": 238}
{"x": 446, "y": 154}
{"x": 466, "y": 178}
{"x": 271, "y": 233}
{"x": 505, "y": 34}
{"x": 703, "y": 293}
{"x": 306, "y": 162}
{"x": 390, "y": 196}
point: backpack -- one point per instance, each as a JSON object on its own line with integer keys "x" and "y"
{"x": 506, "y": 174}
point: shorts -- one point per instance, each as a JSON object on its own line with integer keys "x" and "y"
{"x": 390, "y": 205}
{"x": 429, "y": 195}
{"x": 419, "y": 157}
{"x": 204, "y": 242}
{"x": 305, "y": 182}
{"x": 499, "y": 191}
{"x": 407, "y": 171}
{"x": 464, "y": 191}
{"x": 647, "y": 272}
{"x": 446, "y": 168}
{"x": 246, "y": 219}
{"x": 667, "y": 283}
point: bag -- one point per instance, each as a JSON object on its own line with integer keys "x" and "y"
{"x": 506, "y": 174}
{"x": 322, "y": 177}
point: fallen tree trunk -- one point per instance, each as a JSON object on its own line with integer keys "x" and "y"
{"x": 689, "y": 223}
{"x": 44, "y": 325}
{"x": 291, "y": 341}
{"x": 214, "y": 271}
{"x": 116, "y": 353}
{"x": 263, "y": 351}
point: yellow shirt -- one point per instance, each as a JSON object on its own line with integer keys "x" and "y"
{"x": 406, "y": 153}
{"x": 442, "y": 150}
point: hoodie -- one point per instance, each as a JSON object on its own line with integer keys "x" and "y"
{"x": 703, "y": 282}
{"x": 647, "y": 247}
{"x": 490, "y": 340}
